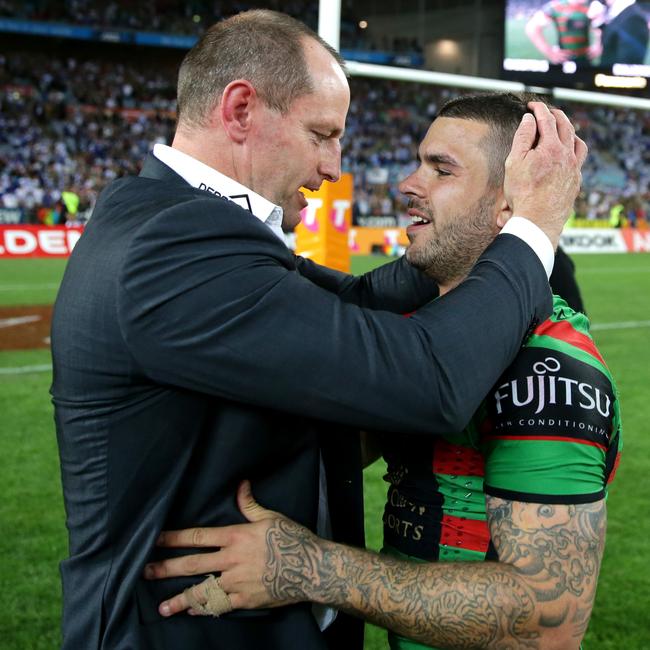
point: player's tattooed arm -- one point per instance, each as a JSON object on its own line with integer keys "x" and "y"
{"x": 556, "y": 550}
{"x": 460, "y": 605}
{"x": 539, "y": 595}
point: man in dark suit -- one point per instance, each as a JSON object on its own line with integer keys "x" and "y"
{"x": 624, "y": 33}
{"x": 191, "y": 349}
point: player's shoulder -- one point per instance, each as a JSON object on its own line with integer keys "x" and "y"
{"x": 551, "y": 426}
{"x": 558, "y": 385}
{"x": 567, "y": 332}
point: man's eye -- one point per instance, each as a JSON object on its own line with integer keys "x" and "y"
{"x": 321, "y": 137}
{"x": 442, "y": 172}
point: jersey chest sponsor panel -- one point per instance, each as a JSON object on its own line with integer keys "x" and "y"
{"x": 552, "y": 395}
{"x": 550, "y": 430}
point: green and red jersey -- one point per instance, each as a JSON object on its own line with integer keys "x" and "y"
{"x": 572, "y": 24}
{"x": 548, "y": 432}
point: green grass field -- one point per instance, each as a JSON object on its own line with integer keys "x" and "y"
{"x": 616, "y": 288}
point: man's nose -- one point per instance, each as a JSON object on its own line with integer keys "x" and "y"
{"x": 330, "y": 163}
{"x": 409, "y": 185}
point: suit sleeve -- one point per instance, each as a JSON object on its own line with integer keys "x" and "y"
{"x": 214, "y": 304}
{"x": 396, "y": 286}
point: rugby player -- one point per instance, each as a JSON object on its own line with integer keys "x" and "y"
{"x": 577, "y": 38}
{"x": 492, "y": 537}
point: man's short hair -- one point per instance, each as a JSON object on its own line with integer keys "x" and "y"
{"x": 502, "y": 112}
{"x": 262, "y": 46}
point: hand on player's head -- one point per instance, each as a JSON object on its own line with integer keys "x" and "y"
{"x": 543, "y": 169}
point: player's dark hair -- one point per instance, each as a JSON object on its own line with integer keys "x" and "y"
{"x": 262, "y": 46}
{"x": 502, "y": 112}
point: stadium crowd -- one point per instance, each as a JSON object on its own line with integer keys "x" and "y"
{"x": 73, "y": 125}
{"x": 189, "y": 17}
{"x": 193, "y": 16}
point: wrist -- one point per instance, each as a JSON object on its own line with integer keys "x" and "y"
{"x": 322, "y": 583}
{"x": 292, "y": 563}
{"x": 537, "y": 238}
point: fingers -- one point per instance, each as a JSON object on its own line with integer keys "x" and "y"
{"x": 195, "y": 537}
{"x": 252, "y": 510}
{"x": 554, "y": 122}
{"x": 524, "y": 138}
{"x": 546, "y": 124}
{"x": 187, "y": 565}
{"x": 581, "y": 150}
{"x": 180, "y": 602}
{"x": 542, "y": 182}
{"x": 564, "y": 127}
{"x": 216, "y": 536}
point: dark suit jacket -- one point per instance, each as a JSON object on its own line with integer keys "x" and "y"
{"x": 625, "y": 38}
{"x": 192, "y": 349}
{"x": 563, "y": 281}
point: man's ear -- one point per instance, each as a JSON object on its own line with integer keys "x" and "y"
{"x": 504, "y": 212}
{"x": 235, "y": 111}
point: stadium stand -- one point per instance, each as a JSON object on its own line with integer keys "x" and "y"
{"x": 67, "y": 124}
{"x": 192, "y": 17}
{"x": 72, "y": 118}
{"x": 155, "y": 15}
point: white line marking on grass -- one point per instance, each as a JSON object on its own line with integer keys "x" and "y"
{"x": 18, "y": 320}
{"x": 610, "y": 271}
{"x": 623, "y": 325}
{"x": 25, "y": 370}
{"x": 28, "y": 287}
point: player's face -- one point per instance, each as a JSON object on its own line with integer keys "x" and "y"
{"x": 453, "y": 209}
{"x": 302, "y": 148}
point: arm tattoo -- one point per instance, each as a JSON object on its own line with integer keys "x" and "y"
{"x": 557, "y": 549}
{"x": 545, "y": 580}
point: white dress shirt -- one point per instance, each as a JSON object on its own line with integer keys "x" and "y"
{"x": 204, "y": 177}
{"x": 535, "y": 237}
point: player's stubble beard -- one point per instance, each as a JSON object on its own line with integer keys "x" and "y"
{"x": 451, "y": 250}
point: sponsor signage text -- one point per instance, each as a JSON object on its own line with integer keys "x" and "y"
{"x": 36, "y": 241}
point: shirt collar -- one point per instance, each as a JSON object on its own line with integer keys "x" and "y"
{"x": 203, "y": 177}
{"x": 618, "y": 6}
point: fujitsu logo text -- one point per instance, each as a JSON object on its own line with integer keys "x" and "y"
{"x": 544, "y": 388}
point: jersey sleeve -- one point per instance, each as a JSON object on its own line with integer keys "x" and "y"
{"x": 551, "y": 431}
